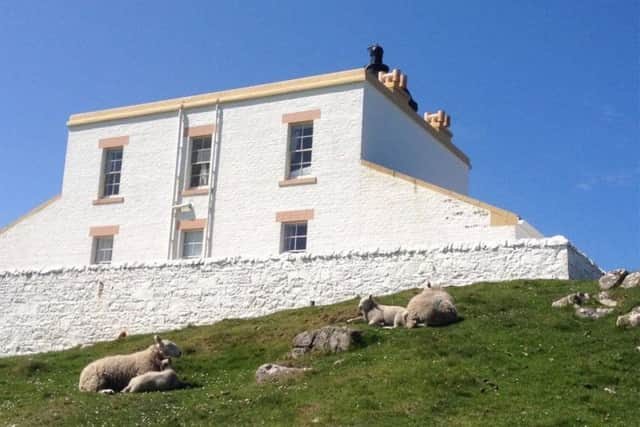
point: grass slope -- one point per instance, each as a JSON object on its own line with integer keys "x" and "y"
{"x": 513, "y": 361}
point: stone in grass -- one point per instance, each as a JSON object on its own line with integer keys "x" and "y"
{"x": 605, "y": 299}
{"x": 270, "y": 372}
{"x": 612, "y": 278}
{"x": 631, "y": 319}
{"x": 575, "y": 299}
{"x": 632, "y": 280}
{"x": 592, "y": 313}
{"x": 329, "y": 339}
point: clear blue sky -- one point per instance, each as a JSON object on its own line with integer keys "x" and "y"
{"x": 544, "y": 95}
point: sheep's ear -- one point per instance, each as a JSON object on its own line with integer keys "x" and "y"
{"x": 428, "y": 284}
{"x": 371, "y": 297}
{"x": 157, "y": 339}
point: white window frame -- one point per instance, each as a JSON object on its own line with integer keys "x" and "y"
{"x": 296, "y": 237}
{"x": 293, "y": 148}
{"x": 97, "y": 250}
{"x": 183, "y": 241}
{"x": 105, "y": 173}
{"x": 193, "y": 163}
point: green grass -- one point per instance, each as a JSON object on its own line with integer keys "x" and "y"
{"x": 513, "y": 361}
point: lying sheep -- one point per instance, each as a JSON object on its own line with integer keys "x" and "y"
{"x": 383, "y": 315}
{"x": 166, "y": 379}
{"x": 113, "y": 373}
{"x": 432, "y": 307}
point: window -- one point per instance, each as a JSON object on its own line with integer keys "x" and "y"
{"x": 294, "y": 237}
{"x": 112, "y": 169}
{"x": 192, "y": 244}
{"x": 200, "y": 158}
{"x": 103, "y": 250}
{"x": 300, "y": 150}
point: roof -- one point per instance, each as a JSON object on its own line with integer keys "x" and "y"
{"x": 261, "y": 91}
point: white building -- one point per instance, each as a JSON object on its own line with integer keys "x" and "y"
{"x": 322, "y": 164}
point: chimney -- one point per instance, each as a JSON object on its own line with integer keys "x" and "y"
{"x": 375, "y": 60}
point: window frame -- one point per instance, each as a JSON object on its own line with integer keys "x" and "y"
{"x": 189, "y": 177}
{"x": 291, "y": 150}
{"x": 295, "y": 236}
{"x": 183, "y": 235}
{"x": 96, "y": 250}
{"x": 105, "y": 173}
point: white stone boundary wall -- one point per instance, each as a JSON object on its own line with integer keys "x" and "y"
{"x": 54, "y": 309}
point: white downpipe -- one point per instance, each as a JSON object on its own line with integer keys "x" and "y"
{"x": 176, "y": 184}
{"x": 213, "y": 177}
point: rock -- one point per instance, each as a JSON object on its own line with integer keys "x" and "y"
{"x": 273, "y": 372}
{"x": 632, "y": 280}
{"x": 592, "y": 313}
{"x": 329, "y": 339}
{"x": 575, "y": 299}
{"x": 631, "y": 319}
{"x": 605, "y": 299}
{"x": 612, "y": 278}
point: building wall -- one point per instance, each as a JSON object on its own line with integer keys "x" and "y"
{"x": 46, "y": 310}
{"x": 394, "y": 140}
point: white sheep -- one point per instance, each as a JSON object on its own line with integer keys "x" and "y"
{"x": 166, "y": 379}
{"x": 432, "y": 307}
{"x": 113, "y": 373}
{"x": 382, "y": 315}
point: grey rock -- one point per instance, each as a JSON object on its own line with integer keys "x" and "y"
{"x": 631, "y": 319}
{"x": 605, "y": 299}
{"x": 575, "y": 299}
{"x": 273, "y": 372}
{"x": 612, "y": 278}
{"x": 632, "y": 280}
{"x": 329, "y": 339}
{"x": 592, "y": 313}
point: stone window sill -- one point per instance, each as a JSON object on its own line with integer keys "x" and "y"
{"x": 298, "y": 181}
{"x": 195, "y": 192}
{"x": 108, "y": 200}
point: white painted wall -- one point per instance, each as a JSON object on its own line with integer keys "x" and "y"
{"x": 60, "y": 308}
{"x": 396, "y": 141}
{"x": 356, "y": 207}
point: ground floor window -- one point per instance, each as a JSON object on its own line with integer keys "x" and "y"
{"x": 192, "y": 244}
{"x": 103, "y": 250}
{"x": 294, "y": 237}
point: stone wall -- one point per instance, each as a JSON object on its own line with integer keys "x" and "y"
{"x": 53, "y": 309}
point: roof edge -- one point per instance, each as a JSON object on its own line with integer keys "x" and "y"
{"x": 443, "y": 138}
{"x": 32, "y": 212}
{"x": 225, "y": 96}
{"x": 499, "y": 216}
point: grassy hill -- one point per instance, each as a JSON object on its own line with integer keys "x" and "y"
{"x": 513, "y": 361}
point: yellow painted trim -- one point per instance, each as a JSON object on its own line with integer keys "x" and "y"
{"x": 498, "y": 216}
{"x": 32, "y": 212}
{"x": 444, "y": 136}
{"x": 234, "y": 95}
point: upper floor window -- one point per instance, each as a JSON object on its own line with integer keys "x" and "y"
{"x": 103, "y": 250}
{"x": 192, "y": 244}
{"x": 112, "y": 171}
{"x": 300, "y": 146}
{"x": 200, "y": 161}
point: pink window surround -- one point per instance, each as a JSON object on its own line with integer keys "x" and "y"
{"x": 115, "y": 142}
{"x": 192, "y": 224}
{"x": 298, "y": 181}
{"x": 195, "y": 192}
{"x": 108, "y": 201}
{"x": 294, "y": 216}
{"x": 204, "y": 130}
{"x": 104, "y": 230}
{"x": 301, "y": 116}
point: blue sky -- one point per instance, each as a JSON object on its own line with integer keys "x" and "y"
{"x": 544, "y": 95}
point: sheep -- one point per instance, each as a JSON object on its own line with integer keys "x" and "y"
{"x": 113, "y": 373}
{"x": 432, "y": 307}
{"x": 383, "y": 315}
{"x": 165, "y": 379}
